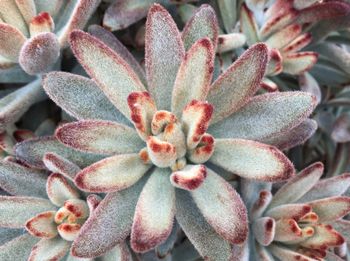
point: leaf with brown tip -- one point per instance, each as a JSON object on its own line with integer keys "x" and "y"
{"x": 252, "y": 160}
{"x": 264, "y": 230}
{"x": 154, "y": 212}
{"x": 109, "y": 224}
{"x": 112, "y": 74}
{"x": 112, "y": 174}
{"x": 11, "y": 42}
{"x": 238, "y": 83}
{"x": 203, "y": 23}
{"x": 101, "y": 137}
{"x": 298, "y": 63}
{"x": 222, "y": 207}
{"x": 330, "y": 209}
{"x": 164, "y": 52}
{"x": 42, "y": 225}
{"x": 15, "y": 211}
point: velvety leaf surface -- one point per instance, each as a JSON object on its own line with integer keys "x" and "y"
{"x": 284, "y": 36}
{"x": 294, "y": 137}
{"x": 20, "y": 181}
{"x": 11, "y": 15}
{"x": 330, "y": 209}
{"x": 343, "y": 226}
{"x": 42, "y": 225}
{"x": 50, "y": 249}
{"x": 102, "y": 137}
{"x": 252, "y": 160}
{"x": 266, "y": 115}
{"x": 18, "y": 249}
{"x": 238, "y": 83}
{"x": 80, "y": 97}
{"x": 7, "y": 234}
{"x": 194, "y": 76}
{"x": 248, "y": 25}
{"x": 39, "y": 53}
{"x": 11, "y": 42}
{"x": 59, "y": 190}
{"x": 285, "y": 211}
{"x": 32, "y": 151}
{"x": 120, "y": 252}
{"x": 164, "y": 52}
{"x": 202, "y": 235}
{"x": 58, "y": 164}
{"x": 109, "y": 39}
{"x": 154, "y": 212}
{"x": 284, "y": 253}
{"x": 112, "y": 173}
{"x": 324, "y": 235}
{"x": 298, "y": 63}
{"x": 329, "y": 187}
{"x": 15, "y": 211}
{"x": 111, "y": 73}
{"x": 110, "y": 223}
{"x": 203, "y": 23}
{"x": 78, "y": 15}
{"x": 297, "y": 186}
{"x": 222, "y": 207}
{"x": 264, "y": 230}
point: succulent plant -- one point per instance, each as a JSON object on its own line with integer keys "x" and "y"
{"x": 302, "y": 220}
{"x": 183, "y": 123}
{"x": 50, "y": 208}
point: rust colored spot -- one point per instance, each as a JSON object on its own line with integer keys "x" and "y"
{"x": 211, "y": 69}
{"x": 221, "y": 40}
{"x": 70, "y": 227}
{"x": 144, "y": 156}
{"x": 41, "y": 18}
{"x": 169, "y": 128}
{"x": 73, "y": 209}
{"x": 206, "y": 43}
{"x": 269, "y": 225}
{"x": 155, "y": 146}
{"x": 161, "y": 115}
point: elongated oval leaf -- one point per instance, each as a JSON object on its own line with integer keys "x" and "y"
{"x": 222, "y": 207}
{"x": 111, "y": 73}
{"x": 164, "y": 53}
{"x": 112, "y": 174}
{"x": 238, "y": 83}
{"x": 15, "y": 211}
{"x": 80, "y": 97}
{"x": 50, "y": 249}
{"x": 11, "y": 42}
{"x": 154, "y": 212}
{"x": 266, "y": 115}
{"x": 32, "y": 152}
{"x": 203, "y": 23}
{"x": 103, "y": 137}
{"x": 20, "y": 181}
{"x": 109, "y": 224}
{"x": 18, "y": 249}
{"x": 252, "y": 160}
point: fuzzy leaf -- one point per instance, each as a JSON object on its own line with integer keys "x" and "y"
{"x": 78, "y": 17}
{"x": 42, "y": 225}
{"x": 154, "y": 212}
{"x": 119, "y": 252}
{"x": 189, "y": 178}
{"x": 288, "y": 211}
{"x": 298, "y": 43}
{"x": 203, "y": 23}
{"x": 15, "y": 211}
{"x": 111, "y": 73}
{"x": 109, "y": 224}
{"x": 120, "y": 14}
{"x": 109, "y": 39}
{"x": 112, "y": 173}
{"x": 59, "y": 190}
{"x": 329, "y": 187}
{"x": 80, "y": 97}
{"x": 287, "y": 230}
{"x": 324, "y": 236}
{"x": 39, "y": 53}
{"x": 228, "y": 13}
{"x": 58, "y": 164}
{"x": 50, "y": 249}
{"x": 294, "y": 137}
{"x": 284, "y": 36}
{"x": 194, "y": 76}
{"x": 11, "y": 42}
{"x": 248, "y": 25}
{"x": 298, "y": 63}
{"x": 7, "y": 234}
{"x": 18, "y": 249}
{"x": 229, "y": 42}
{"x": 222, "y": 207}
{"x": 20, "y": 181}
{"x": 341, "y": 131}
{"x": 200, "y": 233}
{"x": 342, "y": 226}
{"x": 297, "y": 186}
{"x": 330, "y": 209}
{"x": 101, "y": 137}
{"x": 32, "y": 152}
{"x": 41, "y": 23}
{"x": 238, "y": 83}
{"x": 164, "y": 52}
{"x": 252, "y": 160}
{"x": 266, "y": 115}
{"x": 264, "y": 230}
